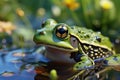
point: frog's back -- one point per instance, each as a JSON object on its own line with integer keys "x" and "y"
{"x": 94, "y": 44}
{"x": 88, "y": 36}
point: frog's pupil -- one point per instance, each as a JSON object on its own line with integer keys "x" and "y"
{"x": 62, "y": 31}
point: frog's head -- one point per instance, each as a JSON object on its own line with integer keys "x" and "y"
{"x": 56, "y": 36}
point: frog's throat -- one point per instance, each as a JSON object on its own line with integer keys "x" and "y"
{"x": 58, "y": 55}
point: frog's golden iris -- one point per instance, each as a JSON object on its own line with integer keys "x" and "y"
{"x": 61, "y": 31}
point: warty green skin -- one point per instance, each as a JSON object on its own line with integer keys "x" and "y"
{"x": 87, "y": 42}
{"x": 46, "y": 36}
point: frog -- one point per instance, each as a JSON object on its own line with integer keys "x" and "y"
{"x": 83, "y": 47}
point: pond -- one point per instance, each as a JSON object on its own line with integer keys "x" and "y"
{"x": 18, "y": 64}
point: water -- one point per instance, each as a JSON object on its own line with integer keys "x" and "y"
{"x": 18, "y": 64}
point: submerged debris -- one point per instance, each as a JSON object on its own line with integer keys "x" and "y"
{"x": 7, "y": 74}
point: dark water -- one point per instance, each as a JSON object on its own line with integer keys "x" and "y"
{"x": 18, "y": 64}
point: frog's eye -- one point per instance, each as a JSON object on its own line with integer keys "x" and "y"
{"x": 61, "y": 31}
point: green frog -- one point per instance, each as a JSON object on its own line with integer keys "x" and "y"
{"x": 82, "y": 47}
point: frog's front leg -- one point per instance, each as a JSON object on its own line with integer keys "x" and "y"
{"x": 85, "y": 63}
{"x": 113, "y": 61}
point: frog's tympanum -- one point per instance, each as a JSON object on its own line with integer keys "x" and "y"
{"x": 82, "y": 47}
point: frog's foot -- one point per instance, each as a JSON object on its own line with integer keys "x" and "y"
{"x": 113, "y": 61}
{"x": 86, "y": 63}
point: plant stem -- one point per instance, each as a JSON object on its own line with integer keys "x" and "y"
{"x": 84, "y": 4}
{"x": 75, "y": 17}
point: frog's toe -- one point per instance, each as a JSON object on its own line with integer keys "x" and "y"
{"x": 112, "y": 61}
{"x": 82, "y": 66}
{"x": 77, "y": 67}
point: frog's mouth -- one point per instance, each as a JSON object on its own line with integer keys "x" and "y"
{"x": 50, "y": 40}
{"x": 59, "y": 48}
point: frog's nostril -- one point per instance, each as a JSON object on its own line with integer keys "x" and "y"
{"x": 42, "y": 33}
